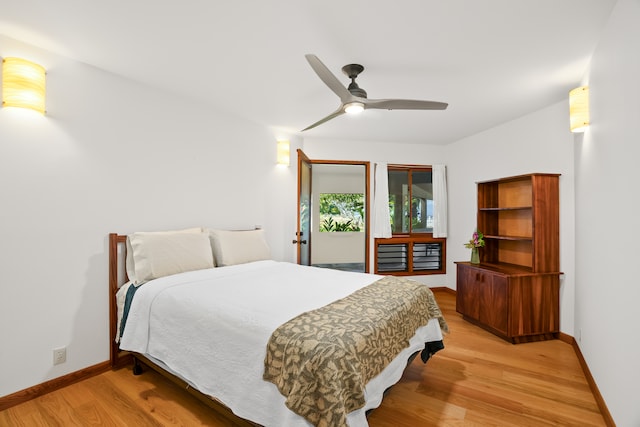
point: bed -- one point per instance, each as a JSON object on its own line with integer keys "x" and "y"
{"x": 275, "y": 343}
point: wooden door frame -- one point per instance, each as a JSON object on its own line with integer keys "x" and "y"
{"x": 302, "y": 158}
{"x": 367, "y": 167}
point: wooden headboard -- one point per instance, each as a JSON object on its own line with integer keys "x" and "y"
{"x": 117, "y": 277}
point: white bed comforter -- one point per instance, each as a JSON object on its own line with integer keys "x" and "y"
{"x": 211, "y": 327}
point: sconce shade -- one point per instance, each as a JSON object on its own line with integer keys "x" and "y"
{"x": 23, "y": 84}
{"x": 579, "y": 109}
{"x": 283, "y": 152}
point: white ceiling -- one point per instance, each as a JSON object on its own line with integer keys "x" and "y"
{"x": 491, "y": 60}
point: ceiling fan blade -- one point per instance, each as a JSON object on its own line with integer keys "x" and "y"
{"x": 404, "y": 104}
{"x": 333, "y": 115}
{"x": 328, "y": 78}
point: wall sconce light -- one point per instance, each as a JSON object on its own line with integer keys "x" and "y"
{"x": 23, "y": 84}
{"x": 283, "y": 152}
{"x": 579, "y": 109}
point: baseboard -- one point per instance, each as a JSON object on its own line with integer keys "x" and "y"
{"x": 443, "y": 289}
{"x": 27, "y": 394}
{"x": 608, "y": 419}
{"x": 566, "y": 338}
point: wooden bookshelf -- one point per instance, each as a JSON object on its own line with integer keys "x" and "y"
{"x": 514, "y": 291}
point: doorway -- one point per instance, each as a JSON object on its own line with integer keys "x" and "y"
{"x": 333, "y": 214}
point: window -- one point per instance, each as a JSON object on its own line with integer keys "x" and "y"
{"x": 340, "y": 212}
{"x": 411, "y": 250}
{"x": 411, "y": 201}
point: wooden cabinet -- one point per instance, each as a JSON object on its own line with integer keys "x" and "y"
{"x": 515, "y": 305}
{"x": 514, "y": 291}
{"x": 482, "y": 296}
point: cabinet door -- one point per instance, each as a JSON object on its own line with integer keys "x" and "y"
{"x": 535, "y": 307}
{"x": 468, "y": 292}
{"x": 494, "y": 303}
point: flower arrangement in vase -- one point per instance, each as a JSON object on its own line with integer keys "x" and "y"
{"x": 477, "y": 241}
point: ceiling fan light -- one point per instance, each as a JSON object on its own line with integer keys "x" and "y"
{"x": 354, "y": 108}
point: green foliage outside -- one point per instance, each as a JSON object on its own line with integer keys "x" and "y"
{"x": 415, "y": 214}
{"x": 340, "y": 212}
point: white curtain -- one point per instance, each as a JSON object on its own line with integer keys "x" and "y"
{"x": 439, "y": 200}
{"x": 381, "y": 217}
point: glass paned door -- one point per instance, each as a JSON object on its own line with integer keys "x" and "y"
{"x": 303, "y": 232}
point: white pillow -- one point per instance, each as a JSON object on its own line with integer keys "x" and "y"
{"x": 130, "y": 262}
{"x": 238, "y": 247}
{"x": 159, "y": 255}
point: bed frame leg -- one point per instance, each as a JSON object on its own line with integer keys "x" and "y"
{"x": 137, "y": 368}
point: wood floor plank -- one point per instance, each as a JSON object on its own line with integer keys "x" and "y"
{"x": 129, "y": 412}
{"x": 56, "y": 410}
{"x": 165, "y": 401}
{"x": 89, "y": 410}
{"x": 477, "y": 380}
{"x": 28, "y": 415}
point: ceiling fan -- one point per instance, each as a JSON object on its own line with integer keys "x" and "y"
{"x": 353, "y": 99}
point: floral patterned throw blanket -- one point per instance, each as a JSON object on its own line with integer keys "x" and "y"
{"x": 322, "y": 360}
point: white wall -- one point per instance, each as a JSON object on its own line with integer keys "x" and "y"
{"x": 111, "y": 155}
{"x": 607, "y": 212}
{"x": 538, "y": 142}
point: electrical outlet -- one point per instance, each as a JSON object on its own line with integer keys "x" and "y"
{"x": 59, "y": 355}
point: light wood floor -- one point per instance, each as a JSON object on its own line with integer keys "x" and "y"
{"x": 477, "y": 380}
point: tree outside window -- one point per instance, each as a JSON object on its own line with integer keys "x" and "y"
{"x": 341, "y": 212}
